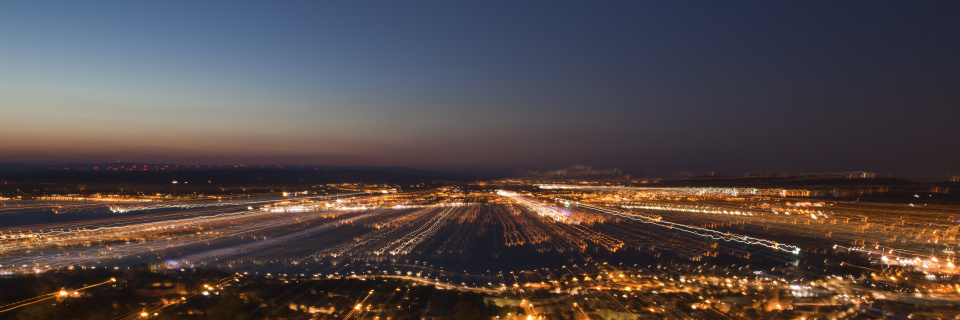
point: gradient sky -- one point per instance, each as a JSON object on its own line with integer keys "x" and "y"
{"x": 771, "y": 86}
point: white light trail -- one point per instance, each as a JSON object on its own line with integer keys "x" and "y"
{"x": 703, "y": 232}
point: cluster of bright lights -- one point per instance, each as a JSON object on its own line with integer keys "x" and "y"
{"x": 892, "y": 257}
{"x": 542, "y": 209}
{"x": 676, "y": 190}
{"x": 119, "y": 209}
{"x": 294, "y": 208}
{"x": 689, "y": 209}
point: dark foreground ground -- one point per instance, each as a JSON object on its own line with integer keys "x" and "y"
{"x": 140, "y": 293}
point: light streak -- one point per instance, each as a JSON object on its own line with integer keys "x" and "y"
{"x": 703, "y": 232}
{"x": 26, "y": 302}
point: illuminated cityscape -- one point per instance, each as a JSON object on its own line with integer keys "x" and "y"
{"x": 381, "y": 160}
{"x": 534, "y": 247}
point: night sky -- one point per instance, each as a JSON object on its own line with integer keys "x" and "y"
{"x": 730, "y": 86}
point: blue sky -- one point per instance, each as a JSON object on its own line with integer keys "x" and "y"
{"x": 732, "y": 87}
